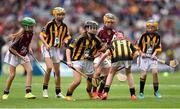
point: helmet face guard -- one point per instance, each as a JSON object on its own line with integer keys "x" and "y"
{"x": 151, "y": 26}
{"x": 91, "y": 26}
{"x": 27, "y": 23}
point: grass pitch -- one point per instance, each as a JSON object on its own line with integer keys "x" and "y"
{"x": 119, "y": 96}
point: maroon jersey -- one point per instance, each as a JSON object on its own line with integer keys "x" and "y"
{"x": 21, "y": 45}
{"x": 105, "y": 34}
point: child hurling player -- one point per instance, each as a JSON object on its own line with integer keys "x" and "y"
{"x": 17, "y": 54}
{"x": 149, "y": 44}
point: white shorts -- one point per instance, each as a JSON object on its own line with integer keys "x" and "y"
{"x": 127, "y": 64}
{"x": 84, "y": 65}
{"x": 53, "y": 53}
{"x": 105, "y": 64}
{"x": 146, "y": 64}
{"x": 13, "y": 60}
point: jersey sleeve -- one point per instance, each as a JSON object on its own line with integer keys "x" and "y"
{"x": 46, "y": 30}
{"x": 158, "y": 47}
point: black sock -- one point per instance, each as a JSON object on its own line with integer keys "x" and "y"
{"x": 106, "y": 89}
{"x": 155, "y": 87}
{"x": 101, "y": 87}
{"x": 69, "y": 93}
{"x": 58, "y": 90}
{"x": 28, "y": 89}
{"x": 88, "y": 90}
{"x": 45, "y": 86}
{"x": 142, "y": 84}
{"x": 6, "y": 91}
{"x": 132, "y": 91}
{"x": 94, "y": 89}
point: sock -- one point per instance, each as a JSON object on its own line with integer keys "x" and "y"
{"x": 155, "y": 87}
{"x": 58, "y": 90}
{"x": 94, "y": 89}
{"x": 106, "y": 89}
{"x": 142, "y": 84}
{"x": 88, "y": 90}
{"x": 101, "y": 87}
{"x": 6, "y": 91}
{"x": 132, "y": 91}
{"x": 69, "y": 93}
{"x": 45, "y": 86}
{"x": 28, "y": 89}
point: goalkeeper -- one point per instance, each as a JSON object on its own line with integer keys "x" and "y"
{"x": 149, "y": 44}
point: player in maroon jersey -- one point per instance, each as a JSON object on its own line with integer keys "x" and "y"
{"x": 106, "y": 34}
{"x": 17, "y": 54}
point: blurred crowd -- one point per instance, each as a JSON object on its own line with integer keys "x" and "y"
{"x": 132, "y": 15}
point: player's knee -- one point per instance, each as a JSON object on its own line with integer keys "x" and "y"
{"x": 49, "y": 69}
{"x": 12, "y": 75}
{"x": 154, "y": 71}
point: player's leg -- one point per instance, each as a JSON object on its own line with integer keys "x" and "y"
{"x": 9, "y": 82}
{"x": 12, "y": 61}
{"x": 109, "y": 80}
{"x": 27, "y": 66}
{"x": 76, "y": 80}
{"x": 88, "y": 68}
{"x": 142, "y": 83}
{"x": 106, "y": 65}
{"x": 103, "y": 78}
{"x": 49, "y": 64}
{"x": 131, "y": 83}
{"x": 57, "y": 81}
{"x": 143, "y": 65}
{"x": 156, "y": 83}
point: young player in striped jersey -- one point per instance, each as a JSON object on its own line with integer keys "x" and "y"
{"x": 54, "y": 36}
{"x": 81, "y": 53}
{"x": 17, "y": 54}
{"x": 122, "y": 53}
{"x": 149, "y": 44}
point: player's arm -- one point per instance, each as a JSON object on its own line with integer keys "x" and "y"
{"x": 16, "y": 53}
{"x": 107, "y": 53}
{"x": 67, "y": 38}
{"x": 158, "y": 48}
{"x": 72, "y": 44}
{"x": 135, "y": 51}
{"x": 140, "y": 46}
{"x": 44, "y": 33}
{"x": 68, "y": 56}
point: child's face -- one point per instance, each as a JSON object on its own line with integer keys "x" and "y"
{"x": 150, "y": 28}
{"x": 119, "y": 35}
{"x": 110, "y": 24}
{"x": 92, "y": 30}
{"x": 29, "y": 28}
{"x": 60, "y": 17}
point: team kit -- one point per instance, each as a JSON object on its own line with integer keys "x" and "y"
{"x": 96, "y": 54}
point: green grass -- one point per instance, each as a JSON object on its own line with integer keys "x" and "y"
{"x": 119, "y": 96}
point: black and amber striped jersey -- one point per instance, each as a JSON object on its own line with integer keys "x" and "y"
{"x": 86, "y": 44}
{"x": 55, "y": 35}
{"x": 121, "y": 50}
{"x": 150, "y": 42}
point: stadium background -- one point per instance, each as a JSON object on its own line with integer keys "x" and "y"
{"x": 132, "y": 15}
